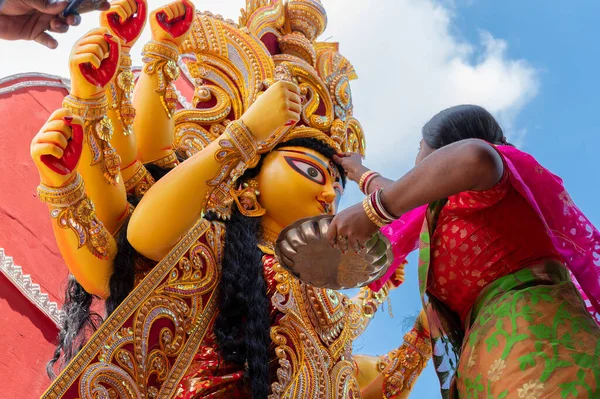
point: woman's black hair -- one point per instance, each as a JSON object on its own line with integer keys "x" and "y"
{"x": 242, "y": 326}
{"x": 462, "y": 122}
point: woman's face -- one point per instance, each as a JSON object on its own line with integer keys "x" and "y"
{"x": 424, "y": 151}
{"x": 297, "y": 182}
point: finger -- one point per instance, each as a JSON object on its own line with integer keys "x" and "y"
{"x": 58, "y": 126}
{"x": 93, "y": 49}
{"x": 134, "y": 6}
{"x": 97, "y": 39}
{"x": 342, "y": 242}
{"x": 55, "y": 138}
{"x": 105, "y": 6}
{"x": 59, "y": 114}
{"x": 168, "y": 12}
{"x": 120, "y": 11}
{"x": 129, "y": 9}
{"x": 292, "y": 117}
{"x": 47, "y": 149}
{"x": 296, "y": 108}
{"x": 91, "y": 58}
{"x": 180, "y": 9}
{"x": 58, "y": 26}
{"x": 48, "y": 7}
{"x": 73, "y": 19}
{"x": 292, "y": 87}
{"x": 294, "y": 98}
{"x": 332, "y": 232}
{"x": 356, "y": 246}
{"x": 46, "y": 40}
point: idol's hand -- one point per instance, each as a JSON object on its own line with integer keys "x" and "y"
{"x": 279, "y": 105}
{"x": 56, "y": 149}
{"x": 171, "y": 23}
{"x": 126, "y": 20}
{"x": 351, "y": 228}
{"x": 397, "y": 278}
{"x": 352, "y": 164}
{"x": 93, "y": 63}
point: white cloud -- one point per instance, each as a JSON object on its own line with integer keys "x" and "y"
{"x": 410, "y": 65}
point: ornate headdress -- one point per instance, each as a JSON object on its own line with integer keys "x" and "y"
{"x": 232, "y": 64}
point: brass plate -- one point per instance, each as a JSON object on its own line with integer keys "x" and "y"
{"x": 302, "y": 249}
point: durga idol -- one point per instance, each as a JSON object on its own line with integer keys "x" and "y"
{"x": 170, "y": 215}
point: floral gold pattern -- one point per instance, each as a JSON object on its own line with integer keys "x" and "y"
{"x": 144, "y": 348}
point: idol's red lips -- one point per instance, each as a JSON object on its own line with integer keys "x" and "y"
{"x": 325, "y": 206}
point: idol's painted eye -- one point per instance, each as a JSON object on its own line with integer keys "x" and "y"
{"x": 307, "y": 168}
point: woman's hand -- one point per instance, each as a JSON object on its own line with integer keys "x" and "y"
{"x": 56, "y": 149}
{"x": 279, "y": 105}
{"x": 352, "y": 164}
{"x": 93, "y": 63}
{"x": 126, "y": 20}
{"x": 351, "y": 229}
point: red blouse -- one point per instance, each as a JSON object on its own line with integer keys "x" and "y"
{"x": 481, "y": 236}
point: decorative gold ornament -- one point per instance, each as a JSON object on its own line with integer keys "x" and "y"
{"x": 121, "y": 94}
{"x": 371, "y": 300}
{"x": 169, "y": 161}
{"x": 99, "y": 130}
{"x": 402, "y": 366}
{"x": 313, "y": 340}
{"x": 138, "y": 184}
{"x": 73, "y": 210}
{"x": 161, "y": 60}
{"x": 238, "y": 152}
{"x": 246, "y": 199}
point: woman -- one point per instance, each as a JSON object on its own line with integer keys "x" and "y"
{"x": 500, "y": 235}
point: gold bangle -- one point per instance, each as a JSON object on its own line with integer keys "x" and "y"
{"x": 365, "y": 180}
{"x": 371, "y": 214}
{"x": 61, "y": 197}
{"x": 372, "y": 300}
{"x": 140, "y": 182}
{"x": 87, "y": 109}
{"x": 169, "y": 161}
{"x": 154, "y": 49}
{"x": 244, "y": 142}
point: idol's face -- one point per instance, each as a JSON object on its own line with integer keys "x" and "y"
{"x": 297, "y": 182}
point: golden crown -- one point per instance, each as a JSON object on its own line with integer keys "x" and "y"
{"x": 232, "y": 63}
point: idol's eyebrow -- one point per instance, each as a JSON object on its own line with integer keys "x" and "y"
{"x": 323, "y": 164}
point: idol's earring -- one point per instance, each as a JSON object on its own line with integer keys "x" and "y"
{"x": 246, "y": 199}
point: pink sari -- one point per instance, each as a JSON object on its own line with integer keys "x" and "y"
{"x": 573, "y": 235}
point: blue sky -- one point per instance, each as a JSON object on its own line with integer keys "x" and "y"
{"x": 559, "y": 40}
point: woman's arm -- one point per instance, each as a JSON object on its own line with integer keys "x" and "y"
{"x": 462, "y": 166}
{"x": 355, "y": 170}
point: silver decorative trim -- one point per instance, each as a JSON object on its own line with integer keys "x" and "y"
{"x": 57, "y": 82}
{"x": 31, "y": 290}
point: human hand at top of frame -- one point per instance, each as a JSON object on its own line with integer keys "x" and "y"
{"x": 352, "y": 164}
{"x": 56, "y": 149}
{"x": 126, "y": 20}
{"x": 279, "y": 105}
{"x": 172, "y": 23}
{"x": 34, "y": 19}
{"x": 93, "y": 63}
